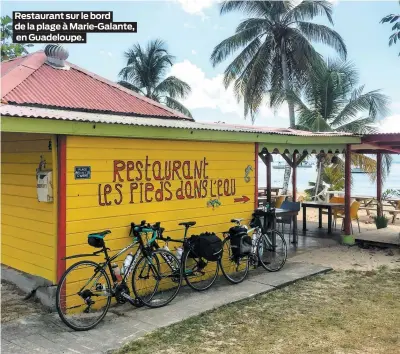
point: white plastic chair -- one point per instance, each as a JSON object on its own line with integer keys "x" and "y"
{"x": 321, "y": 196}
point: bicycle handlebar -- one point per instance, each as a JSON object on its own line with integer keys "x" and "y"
{"x": 143, "y": 227}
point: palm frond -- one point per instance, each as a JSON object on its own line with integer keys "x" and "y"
{"x": 307, "y": 10}
{"x": 174, "y": 104}
{"x": 173, "y": 87}
{"x": 241, "y": 61}
{"x": 359, "y": 126}
{"x": 373, "y": 102}
{"x": 323, "y": 34}
{"x": 130, "y": 86}
{"x": 231, "y": 44}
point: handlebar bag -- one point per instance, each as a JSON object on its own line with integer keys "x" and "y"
{"x": 206, "y": 245}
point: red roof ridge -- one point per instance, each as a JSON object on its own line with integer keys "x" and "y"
{"x": 16, "y": 75}
{"x": 130, "y": 92}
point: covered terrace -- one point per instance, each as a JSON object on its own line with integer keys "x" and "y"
{"x": 294, "y": 152}
{"x": 379, "y": 144}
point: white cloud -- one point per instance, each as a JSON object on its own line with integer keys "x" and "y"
{"x": 196, "y": 6}
{"x": 194, "y": 52}
{"x": 210, "y": 93}
{"x": 390, "y": 124}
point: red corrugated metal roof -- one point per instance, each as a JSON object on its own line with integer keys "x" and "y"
{"x": 29, "y": 80}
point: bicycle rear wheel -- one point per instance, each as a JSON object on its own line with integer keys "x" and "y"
{"x": 83, "y": 295}
{"x": 272, "y": 250}
{"x": 157, "y": 278}
{"x": 199, "y": 273}
{"x": 234, "y": 268}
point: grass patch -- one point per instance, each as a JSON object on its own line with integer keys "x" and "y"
{"x": 340, "y": 312}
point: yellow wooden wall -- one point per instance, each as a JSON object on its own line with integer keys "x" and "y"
{"x": 85, "y": 215}
{"x": 28, "y": 227}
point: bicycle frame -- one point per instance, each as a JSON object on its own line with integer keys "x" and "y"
{"x": 108, "y": 260}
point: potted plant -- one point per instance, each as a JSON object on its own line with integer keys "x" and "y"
{"x": 381, "y": 221}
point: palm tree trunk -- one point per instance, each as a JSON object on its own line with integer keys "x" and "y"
{"x": 286, "y": 84}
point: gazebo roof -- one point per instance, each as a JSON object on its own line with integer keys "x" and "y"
{"x": 388, "y": 143}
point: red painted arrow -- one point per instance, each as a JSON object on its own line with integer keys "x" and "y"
{"x": 244, "y": 199}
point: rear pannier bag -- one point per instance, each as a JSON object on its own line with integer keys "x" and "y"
{"x": 206, "y": 245}
{"x": 241, "y": 242}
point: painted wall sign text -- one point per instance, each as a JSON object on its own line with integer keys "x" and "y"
{"x": 146, "y": 181}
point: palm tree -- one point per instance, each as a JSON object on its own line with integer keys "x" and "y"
{"x": 395, "y": 36}
{"x": 10, "y": 50}
{"x": 277, "y": 52}
{"x": 332, "y": 101}
{"x": 145, "y": 72}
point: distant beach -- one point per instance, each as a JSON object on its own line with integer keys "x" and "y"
{"x": 361, "y": 182}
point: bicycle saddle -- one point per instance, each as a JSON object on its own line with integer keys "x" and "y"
{"x": 188, "y": 223}
{"x": 101, "y": 233}
{"x": 237, "y": 220}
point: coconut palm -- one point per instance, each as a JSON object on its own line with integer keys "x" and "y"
{"x": 145, "y": 73}
{"x": 276, "y": 50}
{"x": 332, "y": 101}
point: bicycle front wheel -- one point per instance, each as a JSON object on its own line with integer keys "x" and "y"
{"x": 234, "y": 267}
{"x": 272, "y": 250}
{"x": 83, "y": 295}
{"x": 199, "y": 273}
{"x": 157, "y": 278}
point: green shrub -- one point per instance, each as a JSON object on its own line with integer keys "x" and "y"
{"x": 381, "y": 221}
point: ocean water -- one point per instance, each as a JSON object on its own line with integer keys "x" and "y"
{"x": 361, "y": 182}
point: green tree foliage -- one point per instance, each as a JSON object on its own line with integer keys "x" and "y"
{"x": 276, "y": 49}
{"x": 395, "y": 21}
{"x": 10, "y": 50}
{"x": 145, "y": 73}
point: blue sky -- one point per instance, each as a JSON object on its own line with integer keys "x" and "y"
{"x": 193, "y": 28}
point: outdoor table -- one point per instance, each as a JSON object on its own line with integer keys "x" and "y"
{"x": 366, "y": 201}
{"x": 320, "y": 206}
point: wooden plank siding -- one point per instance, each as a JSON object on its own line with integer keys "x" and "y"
{"x": 28, "y": 227}
{"x": 226, "y": 161}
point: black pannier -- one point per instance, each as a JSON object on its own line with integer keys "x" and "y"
{"x": 95, "y": 241}
{"x": 206, "y": 245}
{"x": 241, "y": 243}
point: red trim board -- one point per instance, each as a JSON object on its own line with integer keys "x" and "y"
{"x": 62, "y": 204}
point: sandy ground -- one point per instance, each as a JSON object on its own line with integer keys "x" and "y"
{"x": 13, "y": 305}
{"x": 345, "y": 258}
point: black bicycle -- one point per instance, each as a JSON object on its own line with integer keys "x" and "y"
{"x": 85, "y": 290}
{"x": 199, "y": 273}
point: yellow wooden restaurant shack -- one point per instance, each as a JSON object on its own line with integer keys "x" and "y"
{"x": 80, "y": 154}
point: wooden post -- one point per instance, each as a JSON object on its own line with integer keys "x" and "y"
{"x": 268, "y": 164}
{"x": 347, "y": 191}
{"x": 294, "y": 178}
{"x": 379, "y": 183}
{"x": 256, "y": 157}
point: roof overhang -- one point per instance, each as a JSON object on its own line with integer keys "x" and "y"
{"x": 50, "y": 121}
{"x": 383, "y": 143}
